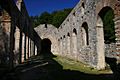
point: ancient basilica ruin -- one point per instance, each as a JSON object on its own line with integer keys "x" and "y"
{"x": 80, "y": 36}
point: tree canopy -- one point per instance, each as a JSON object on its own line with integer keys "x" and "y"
{"x": 55, "y": 18}
{"x": 109, "y": 27}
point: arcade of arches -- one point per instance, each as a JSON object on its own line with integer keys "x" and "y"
{"x": 89, "y": 33}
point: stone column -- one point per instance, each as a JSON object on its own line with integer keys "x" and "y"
{"x": 61, "y": 47}
{"x": 23, "y": 44}
{"x": 68, "y": 45}
{"x": 25, "y": 47}
{"x": 100, "y": 45}
{"x": 29, "y": 47}
{"x": 17, "y": 40}
{"x": 64, "y": 44}
{"x": 27, "y": 54}
{"x": 74, "y": 45}
{"x": 20, "y": 48}
{"x": 35, "y": 50}
{"x": 32, "y": 48}
{"x": 100, "y": 48}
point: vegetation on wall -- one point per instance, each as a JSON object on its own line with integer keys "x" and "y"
{"x": 55, "y": 18}
{"x": 109, "y": 27}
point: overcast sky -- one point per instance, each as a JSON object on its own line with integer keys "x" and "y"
{"x": 36, "y": 7}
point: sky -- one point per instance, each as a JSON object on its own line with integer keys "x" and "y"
{"x": 36, "y": 7}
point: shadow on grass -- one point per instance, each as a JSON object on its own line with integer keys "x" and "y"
{"x": 45, "y": 68}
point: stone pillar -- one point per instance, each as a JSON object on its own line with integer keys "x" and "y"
{"x": 25, "y": 47}
{"x": 35, "y": 50}
{"x": 61, "y": 47}
{"x": 64, "y": 44}
{"x": 27, "y": 54}
{"x": 23, "y": 44}
{"x": 74, "y": 45}
{"x": 68, "y": 45}
{"x": 18, "y": 4}
{"x": 32, "y": 48}
{"x": 100, "y": 48}
{"x": 29, "y": 47}
{"x": 20, "y": 48}
{"x": 17, "y": 40}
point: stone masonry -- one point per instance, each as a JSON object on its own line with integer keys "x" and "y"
{"x": 18, "y": 39}
{"x": 81, "y": 36}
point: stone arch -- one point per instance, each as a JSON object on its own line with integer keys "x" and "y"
{"x": 54, "y": 46}
{"x": 107, "y": 16}
{"x": 104, "y": 23}
{"x": 46, "y": 45}
{"x": 74, "y": 43}
{"x": 85, "y": 35}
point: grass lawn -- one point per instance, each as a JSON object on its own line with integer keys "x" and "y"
{"x": 78, "y": 66}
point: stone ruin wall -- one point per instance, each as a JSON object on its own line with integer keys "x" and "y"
{"x": 51, "y": 33}
{"x": 84, "y": 20}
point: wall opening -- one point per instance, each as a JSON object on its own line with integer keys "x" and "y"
{"x": 82, "y": 8}
{"x": 46, "y": 48}
{"x": 107, "y": 16}
{"x": 46, "y": 45}
{"x": 74, "y": 42}
{"x": 105, "y": 33}
{"x": 85, "y": 35}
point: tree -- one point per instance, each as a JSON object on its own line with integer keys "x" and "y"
{"x": 60, "y": 16}
{"x": 55, "y": 18}
{"x": 109, "y": 26}
{"x": 45, "y": 18}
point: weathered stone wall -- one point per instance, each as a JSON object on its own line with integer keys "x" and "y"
{"x": 81, "y": 35}
{"x": 50, "y": 32}
{"x": 20, "y": 39}
{"x": 111, "y": 51}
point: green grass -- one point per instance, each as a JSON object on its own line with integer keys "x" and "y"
{"x": 78, "y": 66}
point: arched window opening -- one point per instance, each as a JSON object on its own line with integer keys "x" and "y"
{"x": 75, "y": 31}
{"x": 107, "y": 16}
{"x": 83, "y": 5}
{"x": 64, "y": 36}
{"x": 68, "y": 34}
{"x": 83, "y": 8}
{"x": 85, "y": 36}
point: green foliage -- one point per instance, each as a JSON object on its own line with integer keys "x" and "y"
{"x": 78, "y": 66}
{"x": 45, "y": 18}
{"x": 55, "y": 18}
{"x": 109, "y": 27}
{"x": 59, "y": 17}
